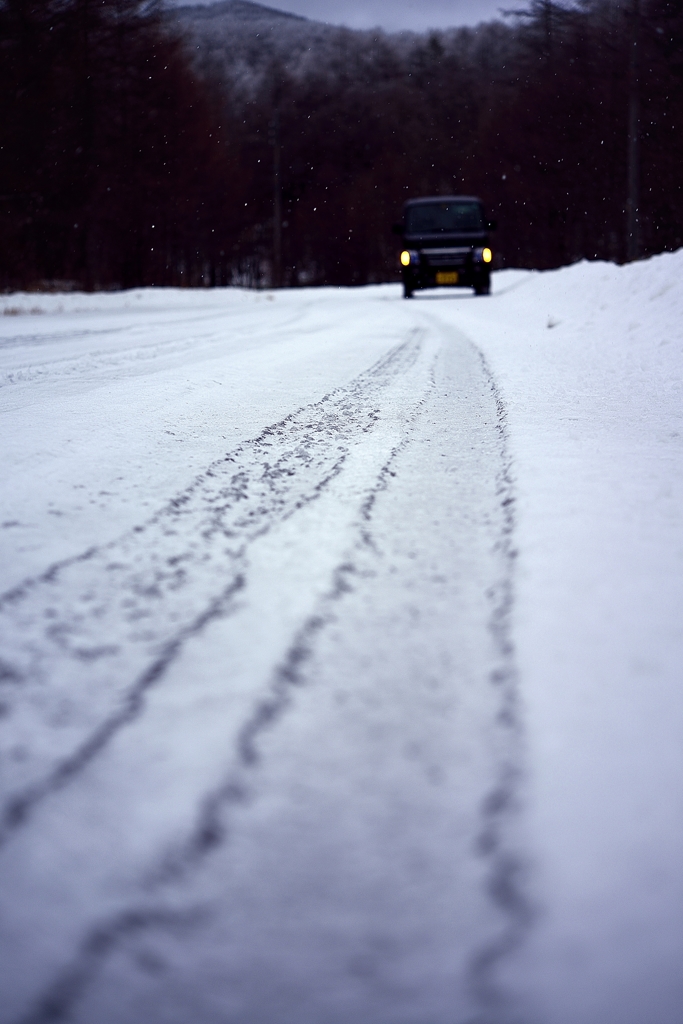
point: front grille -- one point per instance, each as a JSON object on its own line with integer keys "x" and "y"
{"x": 446, "y": 257}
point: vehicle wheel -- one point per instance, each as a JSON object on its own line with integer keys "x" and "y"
{"x": 407, "y": 291}
{"x": 483, "y": 289}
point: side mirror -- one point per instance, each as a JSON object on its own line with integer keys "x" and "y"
{"x": 397, "y": 229}
{"x": 492, "y": 225}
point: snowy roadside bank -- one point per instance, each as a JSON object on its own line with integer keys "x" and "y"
{"x": 589, "y": 360}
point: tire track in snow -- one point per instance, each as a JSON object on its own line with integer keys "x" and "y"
{"x": 101, "y": 943}
{"x": 84, "y": 641}
{"x": 496, "y": 844}
{"x": 211, "y": 827}
{"x": 136, "y": 353}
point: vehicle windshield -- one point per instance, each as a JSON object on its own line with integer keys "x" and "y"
{"x": 433, "y": 218}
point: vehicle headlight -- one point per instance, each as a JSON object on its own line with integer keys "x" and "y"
{"x": 486, "y": 255}
{"x": 405, "y": 258}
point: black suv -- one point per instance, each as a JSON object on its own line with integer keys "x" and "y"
{"x": 445, "y": 242}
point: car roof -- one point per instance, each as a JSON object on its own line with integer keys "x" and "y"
{"x": 442, "y": 199}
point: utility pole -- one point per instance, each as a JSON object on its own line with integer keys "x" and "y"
{"x": 548, "y": 27}
{"x": 277, "y": 201}
{"x": 633, "y": 187}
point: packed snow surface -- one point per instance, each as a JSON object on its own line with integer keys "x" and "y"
{"x": 340, "y": 654}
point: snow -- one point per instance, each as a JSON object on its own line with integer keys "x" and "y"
{"x": 420, "y": 498}
{"x": 589, "y": 361}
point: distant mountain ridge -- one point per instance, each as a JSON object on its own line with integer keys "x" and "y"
{"x": 237, "y": 42}
{"x": 237, "y": 10}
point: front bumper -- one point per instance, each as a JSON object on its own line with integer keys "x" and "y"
{"x": 446, "y": 267}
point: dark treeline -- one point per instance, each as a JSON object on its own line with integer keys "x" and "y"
{"x": 108, "y": 147}
{"x": 130, "y": 159}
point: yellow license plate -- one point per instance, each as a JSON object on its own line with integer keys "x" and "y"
{"x": 447, "y": 277}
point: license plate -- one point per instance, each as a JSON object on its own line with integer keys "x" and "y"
{"x": 447, "y": 277}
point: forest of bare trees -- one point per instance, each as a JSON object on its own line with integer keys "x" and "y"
{"x": 144, "y": 147}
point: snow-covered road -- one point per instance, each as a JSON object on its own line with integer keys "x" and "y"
{"x": 299, "y": 672}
